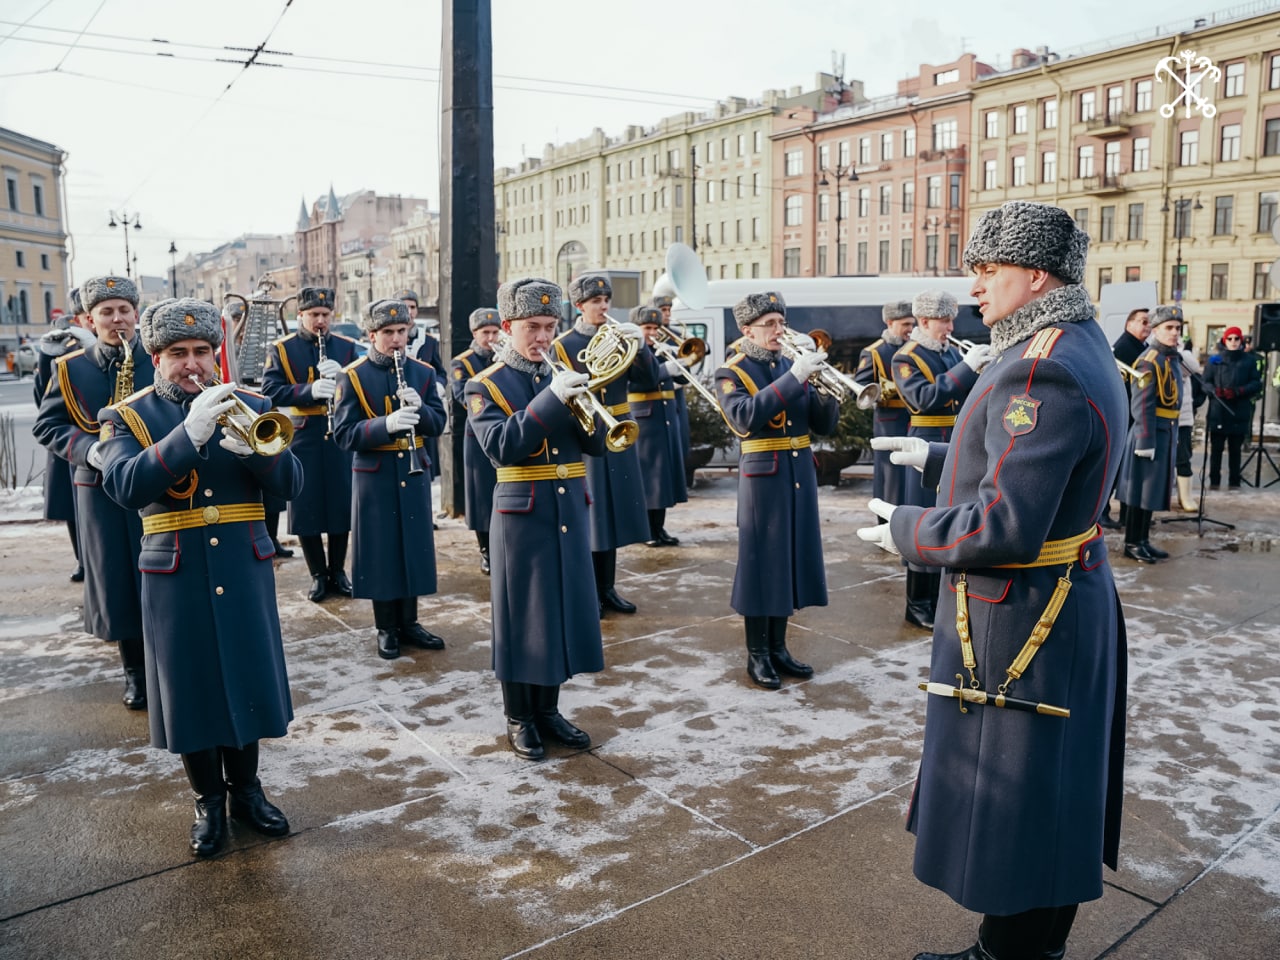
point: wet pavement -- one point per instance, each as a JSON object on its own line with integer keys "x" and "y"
{"x": 709, "y": 819}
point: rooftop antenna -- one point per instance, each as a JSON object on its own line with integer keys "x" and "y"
{"x": 837, "y": 66}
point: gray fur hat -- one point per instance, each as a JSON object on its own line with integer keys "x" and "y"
{"x": 170, "y": 320}
{"x": 407, "y": 296}
{"x": 484, "y": 317}
{"x": 310, "y": 297}
{"x": 77, "y": 306}
{"x": 661, "y": 302}
{"x": 755, "y": 305}
{"x": 645, "y": 314}
{"x": 97, "y": 289}
{"x": 529, "y": 297}
{"x": 589, "y": 285}
{"x": 897, "y": 310}
{"x": 934, "y": 304}
{"x": 1165, "y": 314}
{"x": 1038, "y": 236}
{"x": 385, "y": 313}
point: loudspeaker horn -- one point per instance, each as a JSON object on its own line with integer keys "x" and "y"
{"x": 687, "y": 276}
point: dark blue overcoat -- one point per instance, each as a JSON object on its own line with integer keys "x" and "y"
{"x": 478, "y": 475}
{"x": 891, "y": 419}
{"x": 393, "y": 551}
{"x": 324, "y": 505}
{"x": 59, "y": 494}
{"x": 67, "y": 424}
{"x": 215, "y": 660}
{"x": 780, "y": 566}
{"x": 660, "y": 444}
{"x": 1019, "y": 810}
{"x": 1154, "y": 411}
{"x": 546, "y": 621}
{"x": 932, "y": 384}
{"x": 429, "y": 353}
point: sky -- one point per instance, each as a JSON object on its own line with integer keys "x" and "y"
{"x": 202, "y": 151}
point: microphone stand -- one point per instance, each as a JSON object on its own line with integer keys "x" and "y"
{"x": 1259, "y": 450}
{"x": 1199, "y": 517}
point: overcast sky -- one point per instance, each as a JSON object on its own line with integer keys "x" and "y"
{"x": 204, "y": 151}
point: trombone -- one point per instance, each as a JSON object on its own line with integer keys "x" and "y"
{"x": 586, "y": 406}
{"x": 1141, "y": 378}
{"x": 827, "y": 380}
{"x": 267, "y": 434}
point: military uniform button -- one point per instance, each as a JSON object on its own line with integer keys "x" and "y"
{"x": 399, "y": 456}
{"x": 213, "y": 541}
{"x": 788, "y": 423}
{"x": 560, "y": 490}
{"x": 555, "y": 451}
{"x": 797, "y": 486}
{"x": 218, "y": 591}
{"x": 402, "y": 483}
{"x": 208, "y": 493}
{"x": 564, "y": 529}
{"x": 794, "y": 453}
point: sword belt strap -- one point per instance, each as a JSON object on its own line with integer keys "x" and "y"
{"x": 775, "y": 443}
{"x": 203, "y": 517}
{"x": 542, "y": 471}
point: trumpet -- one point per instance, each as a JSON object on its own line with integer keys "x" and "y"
{"x": 586, "y": 406}
{"x": 415, "y": 464}
{"x": 827, "y": 380}
{"x": 1140, "y": 379}
{"x": 669, "y": 352}
{"x": 266, "y": 434}
{"x": 328, "y": 404}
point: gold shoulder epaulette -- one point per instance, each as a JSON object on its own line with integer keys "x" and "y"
{"x": 1042, "y": 344}
{"x": 909, "y": 346}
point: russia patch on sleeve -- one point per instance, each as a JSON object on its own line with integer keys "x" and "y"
{"x": 1020, "y": 415}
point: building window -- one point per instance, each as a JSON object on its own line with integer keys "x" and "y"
{"x": 608, "y": 246}
{"x": 1111, "y": 159}
{"x": 842, "y": 258}
{"x": 953, "y": 251}
{"x": 864, "y": 150}
{"x": 886, "y": 199}
{"x": 1261, "y": 280}
{"x": 1230, "y": 149}
{"x": 1274, "y": 82}
{"x": 862, "y": 258}
{"x": 1178, "y": 280}
{"x": 711, "y": 191}
{"x": 1189, "y": 148}
{"x": 37, "y": 192}
{"x": 679, "y": 195}
{"x": 909, "y": 142}
{"x": 1233, "y": 85}
{"x": 20, "y": 258}
{"x": 1141, "y": 154}
{"x": 946, "y": 134}
{"x": 755, "y": 184}
{"x": 793, "y": 211}
{"x": 864, "y": 201}
{"x": 1084, "y": 160}
{"x": 822, "y": 260}
{"x": 791, "y": 262}
{"x": 884, "y": 256}
{"x": 933, "y": 196}
{"x": 1020, "y": 118}
{"x": 742, "y": 144}
{"x": 1222, "y": 215}
{"x": 1182, "y": 218}
{"x": 931, "y": 252}
{"x": 1115, "y": 102}
{"x": 908, "y": 196}
{"x": 1132, "y": 274}
{"x": 842, "y": 153}
{"x": 1018, "y": 171}
{"x": 1136, "y": 211}
{"x": 1107, "y": 224}
{"x": 755, "y": 270}
{"x": 737, "y": 231}
{"x": 946, "y": 76}
{"x": 1267, "y": 204}
{"x": 824, "y": 207}
{"x": 1104, "y": 278}
{"x": 679, "y": 235}
{"x": 1049, "y": 166}
{"x": 824, "y": 156}
{"x": 1050, "y": 119}
{"x": 953, "y": 195}
{"x": 988, "y": 174}
{"x": 992, "y": 129}
{"x": 44, "y": 261}
{"x": 1270, "y": 138}
{"x": 1142, "y": 92}
{"x": 755, "y": 229}
{"x": 1081, "y": 217}
{"x": 905, "y": 264}
{"x": 795, "y": 163}
{"x": 1088, "y": 105}
{"x": 11, "y": 184}
{"x": 886, "y": 146}
{"x": 1218, "y": 281}
{"x": 843, "y": 211}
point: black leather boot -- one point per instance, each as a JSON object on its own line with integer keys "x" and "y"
{"x": 386, "y": 617}
{"x": 976, "y": 952}
{"x": 1146, "y": 538}
{"x": 313, "y": 553}
{"x": 1135, "y": 531}
{"x": 337, "y": 574}
{"x": 759, "y": 664}
{"x": 920, "y": 607}
{"x": 249, "y": 804}
{"x": 77, "y": 575}
{"x": 204, "y": 773}
{"x": 522, "y": 730}
{"x": 413, "y": 633}
{"x": 482, "y": 540}
{"x": 782, "y": 659}
{"x": 135, "y": 674}
{"x": 551, "y": 724}
{"x": 605, "y": 565}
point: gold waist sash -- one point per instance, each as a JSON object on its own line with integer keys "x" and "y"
{"x": 203, "y": 517}
{"x": 542, "y": 471}
{"x": 775, "y": 443}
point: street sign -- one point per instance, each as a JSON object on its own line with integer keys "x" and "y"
{"x": 56, "y": 314}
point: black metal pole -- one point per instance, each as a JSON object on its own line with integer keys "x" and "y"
{"x": 468, "y": 254}
{"x": 693, "y": 197}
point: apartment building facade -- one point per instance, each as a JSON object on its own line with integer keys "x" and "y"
{"x": 33, "y": 235}
{"x": 1185, "y": 200}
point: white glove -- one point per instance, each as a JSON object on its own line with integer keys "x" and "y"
{"x": 402, "y": 420}
{"x": 907, "y": 451}
{"x": 977, "y": 357}
{"x": 880, "y": 534}
{"x": 202, "y": 417}
{"x": 804, "y": 340}
{"x": 1145, "y": 454}
{"x": 232, "y": 443}
{"x": 804, "y": 367}
{"x": 329, "y": 369}
{"x": 440, "y": 390}
{"x": 95, "y": 456}
{"x": 409, "y": 397}
{"x": 631, "y": 330}
{"x": 323, "y": 389}
{"x": 568, "y": 384}
{"x": 86, "y": 337}
{"x": 673, "y": 369}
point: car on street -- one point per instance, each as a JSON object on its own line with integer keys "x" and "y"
{"x": 21, "y": 361}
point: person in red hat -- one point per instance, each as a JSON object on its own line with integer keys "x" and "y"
{"x": 1233, "y": 378}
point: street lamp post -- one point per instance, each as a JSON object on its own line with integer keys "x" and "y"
{"x": 124, "y": 221}
{"x": 369, "y": 257}
{"x": 173, "y": 269}
{"x": 840, "y": 173}
{"x": 1181, "y": 220}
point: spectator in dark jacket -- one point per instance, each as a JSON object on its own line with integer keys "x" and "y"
{"x": 1232, "y": 377}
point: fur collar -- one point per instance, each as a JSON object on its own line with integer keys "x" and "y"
{"x": 507, "y": 354}
{"x": 893, "y": 338}
{"x": 922, "y": 338}
{"x": 757, "y": 352}
{"x": 1070, "y": 304}
{"x": 171, "y": 391}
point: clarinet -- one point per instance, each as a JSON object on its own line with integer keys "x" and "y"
{"x": 415, "y": 465}
{"x": 328, "y": 404}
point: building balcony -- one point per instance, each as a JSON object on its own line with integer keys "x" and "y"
{"x": 1112, "y": 125}
{"x": 1110, "y": 183}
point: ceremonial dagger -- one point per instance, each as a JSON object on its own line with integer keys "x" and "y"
{"x": 965, "y": 694}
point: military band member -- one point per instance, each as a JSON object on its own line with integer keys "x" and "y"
{"x": 546, "y": 627}
{"x": 1127, "y": 348}
{"x": 618, "y": 513}
{"x": 659, "y": 444}
{"x": 383, "y": 423}
{"x": 66, "y": 337}
{"x": 479, "y": 477}
{"x": 215, "y": 660}
{"x": 1146, "y": 470}
{"x": 663, "y": 303}
{"x": 769, "y": 403}
{"x": 302, "y": 385}
{"x": 892, "y": 418}
{"x": 1015, "y": 810}
{"x": 83, "y": 382}
{"x": 428, "y": 351}
{"x": 933, "y": 379}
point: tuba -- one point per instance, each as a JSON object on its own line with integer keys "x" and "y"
{"x": 267, "y": 434}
